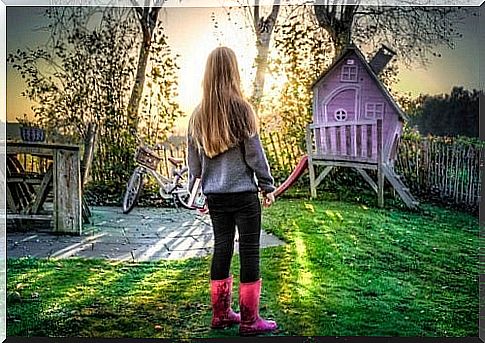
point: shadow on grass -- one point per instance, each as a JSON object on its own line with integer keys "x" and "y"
{"x": 92, "y": 298}
{"x": 348, "y": 267}
{"x": 97, "y": 298}
{"x": 347, "y": 270}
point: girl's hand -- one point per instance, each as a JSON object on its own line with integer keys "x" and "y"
{"x": 268, "y": 200}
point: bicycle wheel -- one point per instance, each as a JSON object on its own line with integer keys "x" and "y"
{"x": 182, "y": 190}
{"x": 133, "y": 189}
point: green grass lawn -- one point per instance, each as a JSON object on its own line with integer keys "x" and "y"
{"x": 346, "y": 270}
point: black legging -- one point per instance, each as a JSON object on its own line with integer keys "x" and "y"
{"x": 228, "y": 211}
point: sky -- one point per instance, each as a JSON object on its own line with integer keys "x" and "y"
{"x": 192, "y": 34}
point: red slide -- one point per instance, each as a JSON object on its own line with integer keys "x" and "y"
{"x": 300, "y": 168}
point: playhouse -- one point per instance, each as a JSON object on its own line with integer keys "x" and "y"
{"x": 356, "y": 123}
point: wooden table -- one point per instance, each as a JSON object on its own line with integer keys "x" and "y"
{"x": 63, "y": 176}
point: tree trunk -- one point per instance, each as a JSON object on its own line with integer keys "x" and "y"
{"x": 337, "y": 21}
{"x": 88, "y": 154}
{"x": 341, "y": 40}
{"x": 261, "y": 67}
{"x": 147, "y": 18}
{"x": 264, "y": 29}
{"x": 137, "y": 91}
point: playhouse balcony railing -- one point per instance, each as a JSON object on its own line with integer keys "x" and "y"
{"x": 351, "y": 141}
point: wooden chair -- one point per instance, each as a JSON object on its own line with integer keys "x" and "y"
{"x": 22, "y": 198}
{"x": 20, "y": 191}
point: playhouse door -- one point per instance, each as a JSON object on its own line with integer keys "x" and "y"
{"x": 341, "y": 105}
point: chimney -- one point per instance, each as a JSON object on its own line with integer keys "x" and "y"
{"x": 381, "y": 58}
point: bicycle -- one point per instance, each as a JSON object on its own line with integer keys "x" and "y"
{"x": 175, "y": 186}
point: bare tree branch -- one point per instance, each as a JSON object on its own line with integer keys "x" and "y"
{"x": 413, "y": 31}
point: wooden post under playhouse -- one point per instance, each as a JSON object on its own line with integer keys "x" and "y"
{"x": 356, "y": 124}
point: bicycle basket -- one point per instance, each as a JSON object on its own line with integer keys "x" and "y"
{"x": 147, "y": 158}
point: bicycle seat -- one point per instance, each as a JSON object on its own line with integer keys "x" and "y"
{"x": 176, "y": 161}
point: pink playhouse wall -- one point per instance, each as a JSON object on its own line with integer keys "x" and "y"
{"x": 353, "y": 95}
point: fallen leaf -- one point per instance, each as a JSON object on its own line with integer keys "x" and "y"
{"x": 310, "y": 208}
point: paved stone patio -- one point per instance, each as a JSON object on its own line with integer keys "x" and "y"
{"x": 145, "y": 234}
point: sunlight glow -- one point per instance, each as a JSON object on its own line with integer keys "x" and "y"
{"x": 305, "y": 277}
{"x": 334, "y": 215}
{"x": 74, "y": 248}
{"x": 158, "y": 246}
{"x": 78, "y": 293}
{"x": 33, "y": 277}
{"x": 29, "y": 238}
{"x": 192, "y": 34}
{"x": 173, "y": 242}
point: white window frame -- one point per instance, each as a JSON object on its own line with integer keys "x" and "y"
{"x": 349, "y": 73}
{"x": 372, "y": 111}
{"x": 342, "y": 111}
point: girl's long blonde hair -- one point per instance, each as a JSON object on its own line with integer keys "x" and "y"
{"x": 224, "y": 118}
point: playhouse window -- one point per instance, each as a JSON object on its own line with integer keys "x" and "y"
{"x": 349, "y": 73}
{"x": 374, "y": 110}
{"x": 340, "y": 114}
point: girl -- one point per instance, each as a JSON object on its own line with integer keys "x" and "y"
{"x": 224, "y": 151}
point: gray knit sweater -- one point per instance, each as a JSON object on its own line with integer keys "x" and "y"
{"x": 243, "y": 168}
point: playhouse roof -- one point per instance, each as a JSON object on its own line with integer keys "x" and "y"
{"x": 352, "y": 48}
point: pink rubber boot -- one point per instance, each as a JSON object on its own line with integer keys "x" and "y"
{"x": 251, "y": 322}
{"x": 222, "y": 314}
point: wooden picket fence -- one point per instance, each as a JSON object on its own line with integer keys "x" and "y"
{"x": 283, "y": 154}
{"x": 443, "y": 167}
{"x": 430, "y": 165}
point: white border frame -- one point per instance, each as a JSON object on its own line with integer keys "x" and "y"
{"x": 3, "y": 184}
{"x": 127, "y": 3}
